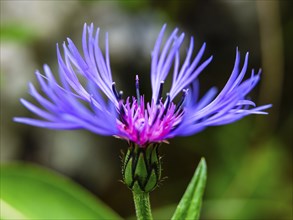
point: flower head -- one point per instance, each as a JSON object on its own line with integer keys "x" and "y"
{"x": 97, "y": 106}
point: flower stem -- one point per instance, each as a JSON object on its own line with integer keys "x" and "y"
{"x": 142, "y": 205}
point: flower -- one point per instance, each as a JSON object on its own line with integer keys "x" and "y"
{"x": 86, "y": 97}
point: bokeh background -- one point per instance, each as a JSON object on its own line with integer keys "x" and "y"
{"x": 249, "y": 162}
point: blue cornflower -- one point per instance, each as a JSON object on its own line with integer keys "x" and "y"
{"x": 85, "y": 96}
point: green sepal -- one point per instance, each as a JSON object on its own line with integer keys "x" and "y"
{"x": 152, "y": 183}
{"x": 142, "y": 166}
{"x": 141, "y": 171}
{"x": 190, "y": 204}
{"x": 128, "y": 172}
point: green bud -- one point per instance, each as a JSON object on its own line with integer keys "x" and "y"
{"x": 142, "y": 167}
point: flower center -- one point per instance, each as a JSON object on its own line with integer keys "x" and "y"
{"x": 150, "y": 123}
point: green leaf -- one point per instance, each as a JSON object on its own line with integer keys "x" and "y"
{"x": 32, "y": 192}
{"x": 190, "y": 204}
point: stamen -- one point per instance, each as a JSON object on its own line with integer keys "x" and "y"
{"x": 156, "y": 116}
{"x": 179, "y": 105}
{"x": 160, "y": 93}
{"x": 122, "y": 114}
{"x": 166, "y": 105}
{"x": 120, "y": 94}
{"x": 167, "y": 102}
{"x": 137, "y": 89}
{"x": 115, "y": 90}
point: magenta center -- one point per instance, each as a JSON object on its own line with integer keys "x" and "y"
{"x": 147, "y": 124}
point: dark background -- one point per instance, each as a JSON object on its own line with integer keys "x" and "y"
{"x": 249, "y": 162}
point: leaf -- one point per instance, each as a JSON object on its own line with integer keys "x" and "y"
{"x": 32, "y": 192}
{"x": 190, "y": 204}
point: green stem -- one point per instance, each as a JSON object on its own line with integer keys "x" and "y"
{"x": 142, "y": 205}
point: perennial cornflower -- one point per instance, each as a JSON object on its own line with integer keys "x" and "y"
{"x": 132, "y": 118}
{"x": 86, "y": 97}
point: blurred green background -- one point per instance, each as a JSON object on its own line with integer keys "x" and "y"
{"x": 249, "y": 162}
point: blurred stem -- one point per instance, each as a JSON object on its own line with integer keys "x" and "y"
{"x": 142, "y": 205}
{"x": 272, "y": 50}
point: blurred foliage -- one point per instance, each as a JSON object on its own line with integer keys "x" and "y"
{"x": 20, "y": 33}
{"x": 250, "y": 161}
{"x": 31, "y": 192}
{"x": 257, "y": 188}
